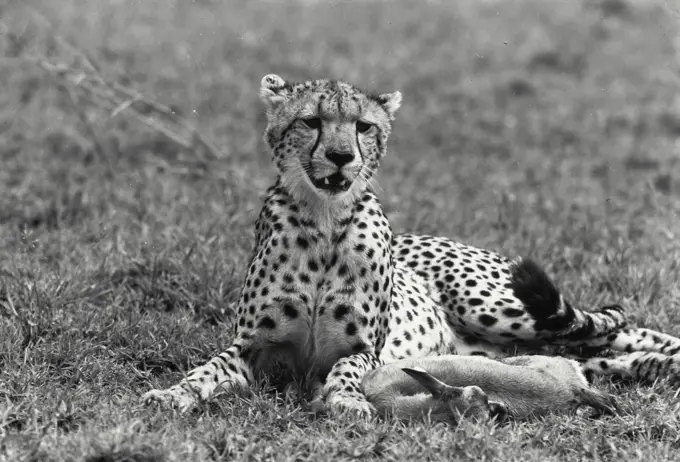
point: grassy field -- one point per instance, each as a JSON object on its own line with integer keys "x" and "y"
{"x": 547, "y": 128}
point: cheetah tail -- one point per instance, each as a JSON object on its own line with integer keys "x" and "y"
{"x": 555, "y": 316}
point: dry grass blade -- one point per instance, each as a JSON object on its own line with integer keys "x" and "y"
{"x": 116, "y": 99}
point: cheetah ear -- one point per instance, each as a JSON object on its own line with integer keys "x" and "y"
{"x": 391, "y": 102}
{"x": 435, "y": 386}
{"x": 272, "y": 90}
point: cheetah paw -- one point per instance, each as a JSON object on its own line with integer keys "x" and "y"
{"x": 176, "y": 397}
{"x": 345, "y": 404}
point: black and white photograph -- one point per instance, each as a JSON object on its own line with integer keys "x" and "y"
{"x": 339, "y": 230}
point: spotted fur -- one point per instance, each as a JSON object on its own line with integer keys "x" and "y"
{"x": 334, "y": 294}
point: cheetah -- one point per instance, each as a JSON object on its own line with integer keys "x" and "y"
{"x": 333, "y": 293}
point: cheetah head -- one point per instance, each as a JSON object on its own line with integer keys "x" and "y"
{"x": 326, "y": 136}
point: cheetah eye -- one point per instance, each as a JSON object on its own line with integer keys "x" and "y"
{"x": 312, "y": 122}
{"x": 363, "y": 127}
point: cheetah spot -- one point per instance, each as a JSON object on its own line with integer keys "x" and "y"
{"x": 341, "y": 311}
{"x": 513, "y": 313}
{"x": 487, "y": 320}
{"x": 290, "y": 311}
{"x": 266, "y": 323}
{"x": 358, "y": 347}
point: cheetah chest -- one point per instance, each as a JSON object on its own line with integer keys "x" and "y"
{"x": 319, "y": 296}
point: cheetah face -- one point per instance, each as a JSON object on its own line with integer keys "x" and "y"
{"x": 327, "y": 137}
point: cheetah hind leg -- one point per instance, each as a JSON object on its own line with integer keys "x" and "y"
{"x": 638, "y": 339}
{"x": 649, "y": 356}
{"x": 639, "y": 366}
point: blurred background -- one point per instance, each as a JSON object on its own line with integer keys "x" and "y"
{"x": 132, "y": 170}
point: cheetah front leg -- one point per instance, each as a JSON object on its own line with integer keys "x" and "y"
{"x": 226, "y": 370}
{"x": 269, "y": 320}
{"x": 351, "y": 329}
{"x": 343, "y": 391}
{"x": 350, "y": 334}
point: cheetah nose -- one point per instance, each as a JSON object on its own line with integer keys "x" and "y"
{"x": 340, "y": 158}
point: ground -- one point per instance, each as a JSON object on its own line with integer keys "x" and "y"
{"x": 544, "y": 128}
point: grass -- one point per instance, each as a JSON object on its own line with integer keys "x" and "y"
{"x": 545, "y": 128}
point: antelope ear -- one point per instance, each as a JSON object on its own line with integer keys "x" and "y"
{"x": 391, "y": 102}
{"x": 273, "y": 90}
{"x": 435, "y": 386}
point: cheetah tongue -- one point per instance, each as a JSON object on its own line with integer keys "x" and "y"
{"x": 335, "y": 182}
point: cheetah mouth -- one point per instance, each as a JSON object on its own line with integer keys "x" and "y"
{"x": 334, "y": 183}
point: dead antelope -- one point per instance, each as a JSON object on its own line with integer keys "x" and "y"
{"x": 515, "y": 387}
